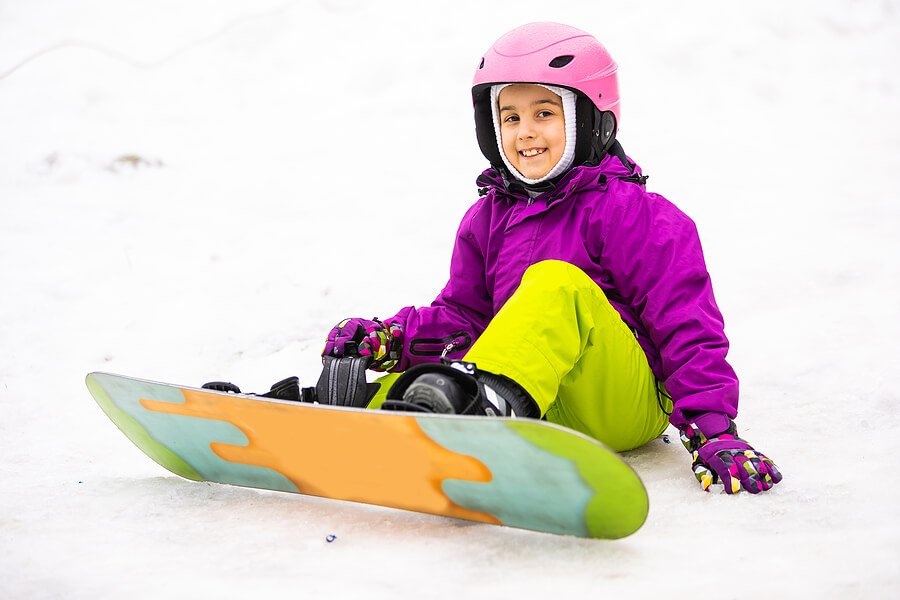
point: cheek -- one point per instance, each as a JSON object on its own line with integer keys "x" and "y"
{"x": 560, "y": 141}
{"x": 508, "y": 140}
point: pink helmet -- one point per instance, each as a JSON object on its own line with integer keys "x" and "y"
{"x": 559, "y": 55}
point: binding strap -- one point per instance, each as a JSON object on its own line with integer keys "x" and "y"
{"x": 343, "y": 382}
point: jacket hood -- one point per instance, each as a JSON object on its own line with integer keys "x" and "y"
{"x": 615, "y": 165}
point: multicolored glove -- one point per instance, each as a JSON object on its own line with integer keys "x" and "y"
{"x": 721, "y": 458}
{"x": 366, "y": 337}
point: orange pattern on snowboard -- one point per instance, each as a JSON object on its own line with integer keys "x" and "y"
{"x": 371, "y": 457}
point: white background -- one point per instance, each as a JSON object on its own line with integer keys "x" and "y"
{"x": 199, "y": 190}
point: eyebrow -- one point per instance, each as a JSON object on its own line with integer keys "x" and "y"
{"x": 546, "y": 101}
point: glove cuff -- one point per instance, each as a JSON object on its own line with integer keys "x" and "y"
{"x": 713, "y": 424}
{"x": 702, "y": 428}
{"x": 393, "y": 332}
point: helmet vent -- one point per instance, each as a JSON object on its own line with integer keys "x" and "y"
{"x": 481, "y": 66}
{"x": 561, "y": 61}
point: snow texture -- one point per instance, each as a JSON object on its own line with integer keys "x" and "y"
{"x": 198, "y": 190}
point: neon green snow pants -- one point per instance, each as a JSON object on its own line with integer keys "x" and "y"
{"x": 560, "y": 338}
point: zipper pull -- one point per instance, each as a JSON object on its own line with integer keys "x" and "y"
{"x": 447, "y": 350}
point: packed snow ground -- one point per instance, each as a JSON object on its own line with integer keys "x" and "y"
{"x": 194, "y": 191}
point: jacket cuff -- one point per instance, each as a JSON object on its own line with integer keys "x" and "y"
{"x": 710, "y": 423}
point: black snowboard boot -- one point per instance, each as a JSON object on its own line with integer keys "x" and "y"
{"x": 457, "y": 387}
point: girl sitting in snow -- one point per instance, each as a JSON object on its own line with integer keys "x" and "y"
{"x": 574, "y": 295}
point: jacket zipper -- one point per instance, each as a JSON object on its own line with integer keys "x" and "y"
{"x": 440, "y": 346}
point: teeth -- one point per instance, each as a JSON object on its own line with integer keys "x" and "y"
{"x": 533, "y": 152}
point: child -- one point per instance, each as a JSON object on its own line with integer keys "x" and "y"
{"x": 574, "y": 295}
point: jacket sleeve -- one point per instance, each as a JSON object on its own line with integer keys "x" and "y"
{"x": 653, "y": 254}
{"x": 462, "y": 310}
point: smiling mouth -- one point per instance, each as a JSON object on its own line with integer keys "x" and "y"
{"x": 532, "y": 152}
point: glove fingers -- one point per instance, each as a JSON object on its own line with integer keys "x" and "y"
{"x": 751, "y": 473}
{"x": 776, "y": 474}
{"x": 765, "y": 480}
{"x": 343, "y": 333}
{"x": 733, "y": 479}
{"x": 339, "y": 345}
{"x": 737, "y": 471}
{"x": 729, "y": 471}
{"x": 757, "y": 472}
{"x": 773, "y": 475}
{"x": 331, "y": 342}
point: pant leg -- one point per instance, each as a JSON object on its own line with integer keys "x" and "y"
{"x": 560, "y": 338}
{"x": 386, "y": 381}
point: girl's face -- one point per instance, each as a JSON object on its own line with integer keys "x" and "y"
{"x": 532, "y": 128}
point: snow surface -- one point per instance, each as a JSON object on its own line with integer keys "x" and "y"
{"x": 199, "y": 190}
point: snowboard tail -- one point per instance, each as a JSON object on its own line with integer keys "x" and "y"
{"x": 521, "y": 473}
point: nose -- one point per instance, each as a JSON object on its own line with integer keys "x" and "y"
{"x": 526, "y": 129}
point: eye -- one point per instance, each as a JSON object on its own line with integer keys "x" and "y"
{"x": 545, "y": 114}
{"x": 511, "y": 118}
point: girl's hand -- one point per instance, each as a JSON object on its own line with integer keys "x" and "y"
{"x": 721, "y": 458}
{"x": 366, "y": 337}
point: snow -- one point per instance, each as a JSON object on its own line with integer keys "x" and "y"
{"x": 197, "y": 191}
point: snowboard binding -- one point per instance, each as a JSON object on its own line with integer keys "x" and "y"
{"x": 286, "y": 389}
{"x": 342, "y": 383}
{"x": 449, "y": 387}
{"x": 458, "y": 387}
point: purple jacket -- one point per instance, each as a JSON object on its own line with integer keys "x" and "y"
{"x": 640, "y": 249}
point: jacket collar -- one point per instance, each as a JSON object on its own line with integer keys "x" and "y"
{"x": 615, "y": 165}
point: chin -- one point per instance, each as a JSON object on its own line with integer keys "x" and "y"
{"x": 533, "y": 171}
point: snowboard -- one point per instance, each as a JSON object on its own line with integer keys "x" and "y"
{"x": 521, "y": 473}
